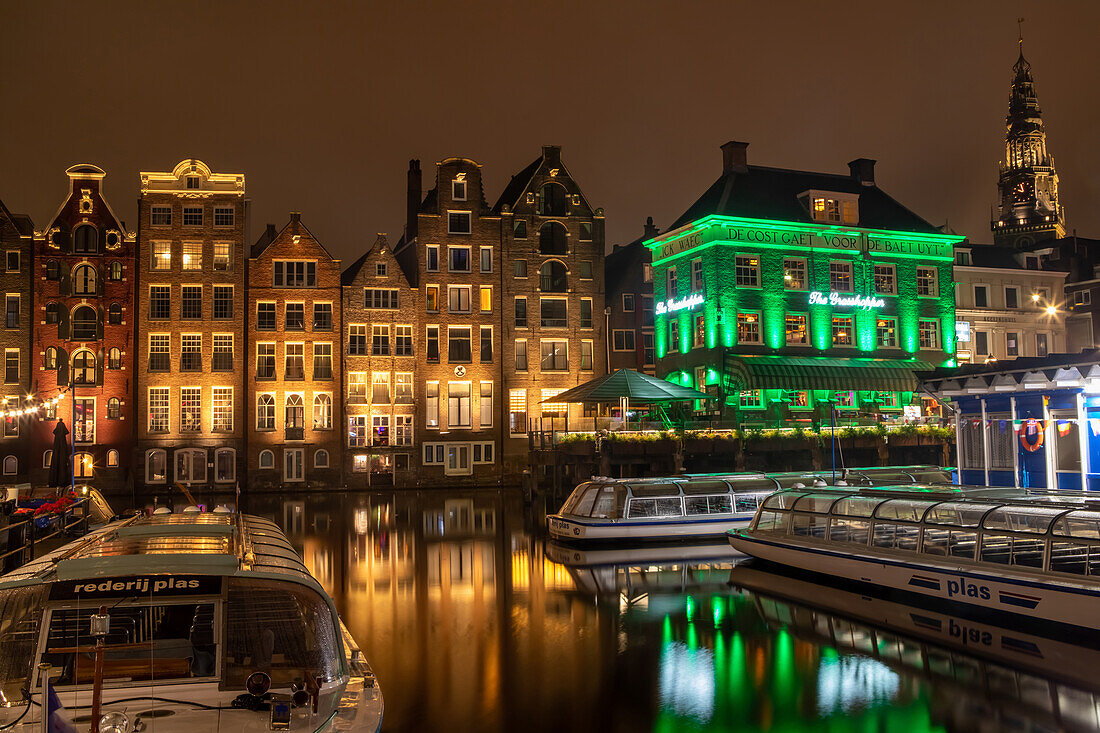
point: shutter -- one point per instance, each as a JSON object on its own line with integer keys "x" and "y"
{"x": 99, "y": 368}
{"x": 62, "y": 321}
{"x": 62, "y": 367}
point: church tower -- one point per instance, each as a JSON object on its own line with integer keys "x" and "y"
{"x": 1027, "y": 210}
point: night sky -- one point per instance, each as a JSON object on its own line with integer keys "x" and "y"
{"x": 321, "y": 105}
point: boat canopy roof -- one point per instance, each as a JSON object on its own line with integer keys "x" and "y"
{"x": 1063, "y": 513}
{"x": 191, "y": 543}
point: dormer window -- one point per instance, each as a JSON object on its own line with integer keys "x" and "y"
{"x": 834, "y": 208}
{"x": 193, "y": 181}
{"x": 458, "y": 187}
{"x": 962, "y": 257}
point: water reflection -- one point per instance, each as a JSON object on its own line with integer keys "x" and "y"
{"x": 473, "y": 621}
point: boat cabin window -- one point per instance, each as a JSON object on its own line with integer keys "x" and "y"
{"x": 766, "y": 520}
{"x": 654, "y": 489}
{"x": 754, "y": 484}
{"x": 1079, "y": 523}
{"x": 149, "y": 642}
{"x": 931, "y": 476}
{"x": 787, "y": 480}
{"x": 721, "y": 504}
{"x": 816, "y": 503}
{"x": 950, "y": 542}
{"x": 587, "y": 500}
{"x": 748, "y": 502}
{"x": 609, "y": 503}
{"x": 671, "y": 507}
{"x": 843, "y": 529}
{"x": 960, "y": 514}
{"x": 808, "y": 525}
{"x": 782, "y": 500}
{"x": 1009, "y": 550}
{"x": 284, "y": 629}
{"x": 575, "y": 498}
{"x": 857, "y": 506}
{"x": 20, "y": 619}
{"x": 1074, "y": 557}
{"x": 906, "y": 510}
{"x": 704, "y": 487}
{"x": 1022, "y": 519}
{"x": 895, "y": 536}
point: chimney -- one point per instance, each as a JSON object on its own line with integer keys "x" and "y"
{"x": 734, "y": 157}
{"x": 650, "y": 230}
{"x": 412, "y": 200}
{"x": 552, "y": 154}
{"x": 295, "y": 217}
{"x": 270, "y": 232}
{"x": 863, "y": 170}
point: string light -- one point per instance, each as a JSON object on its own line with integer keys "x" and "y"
{"x": 31, "y": 409}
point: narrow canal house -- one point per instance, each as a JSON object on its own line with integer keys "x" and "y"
{"x": 83, "y": 334}
{"x": 295, "y": 416}
{"x": 628, "y": 279}
{"x": 783, "y": 293}
{"x": 192, "y": 228}
{"x": 16, "y": 234}
{"x": 1031, "y": 421}
{"x": 381, "y": 319}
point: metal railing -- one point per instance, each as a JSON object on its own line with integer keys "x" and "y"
{"x": 24, "y": 538}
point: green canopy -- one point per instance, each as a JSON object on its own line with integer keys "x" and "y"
{"x": 629, "y": 384}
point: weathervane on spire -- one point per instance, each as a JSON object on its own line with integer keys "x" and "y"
{"x": 1020, "y": 37}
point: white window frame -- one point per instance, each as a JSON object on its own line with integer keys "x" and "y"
{"x": 301, "y": 453}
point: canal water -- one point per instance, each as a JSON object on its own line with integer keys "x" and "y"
{"x": 474, "y": 621}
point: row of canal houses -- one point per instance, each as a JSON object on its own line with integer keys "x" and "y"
{"x": 187, "y": 351}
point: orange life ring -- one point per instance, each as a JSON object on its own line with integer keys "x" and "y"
{"x": 1032, "y": 429}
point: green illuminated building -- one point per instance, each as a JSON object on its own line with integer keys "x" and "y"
{"x": 783, "y": 292}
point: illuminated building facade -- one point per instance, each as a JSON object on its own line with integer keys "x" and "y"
{"x": 295, "y": 414}
{"x": 192, "y": 228}
{"x": 83, "y": 334}
{"x": 782, "y": 293}
{"x": 381, "y": 322}
{"x": 1027, "y": 209}
{"x": 16, "y": 233}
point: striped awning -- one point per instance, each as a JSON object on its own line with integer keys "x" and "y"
{"x": 828, "y": 373}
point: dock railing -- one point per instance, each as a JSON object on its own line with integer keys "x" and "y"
{"x": 24, "y": 540}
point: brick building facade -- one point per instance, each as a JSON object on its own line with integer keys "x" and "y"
{"x": 192, "y": 228}
{"x": 295, "y": 410}
{"x": 552, "y": 309}
{"x": 381, "y": 322}
{"x": 628, "y": 276}
{"x": 83, "y": 336}
{"x": 16, "y": 232}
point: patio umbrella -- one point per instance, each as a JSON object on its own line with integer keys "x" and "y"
{"x": 627, "y": 384}
{"x": 60, "y": 473}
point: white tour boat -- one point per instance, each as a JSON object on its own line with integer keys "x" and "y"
{"x": 1030, "y": 553}
{"x": 698, "y": 505}
{"x": 180, "y": 623}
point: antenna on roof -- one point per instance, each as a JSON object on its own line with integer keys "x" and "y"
{"x": 1020, "y": 34}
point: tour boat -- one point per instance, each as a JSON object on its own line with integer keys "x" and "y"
{"x": 191, "y": 622}
{"x": 1006, "y": 675}
{"x": 1023, "y": 552}
{"x": 697, "y": 505}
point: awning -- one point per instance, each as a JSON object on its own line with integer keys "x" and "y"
{"x": 828, "y": 373}
{"x": 635, "y": 386}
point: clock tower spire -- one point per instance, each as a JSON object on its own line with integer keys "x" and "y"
{"x": 1027, "y": 209}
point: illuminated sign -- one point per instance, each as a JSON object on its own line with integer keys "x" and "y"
{"x": 846, "y": 301}
{"x": 962, "y": 331}
{"x": 678, "y": 304}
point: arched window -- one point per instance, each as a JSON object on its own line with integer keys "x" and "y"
{"x": 114, "y": 358}
{"x": 553, "y": 239}
{"x": 86, "y": 239}
{"x": 295, "y": 412}
{"x": 115, "y": 271}
{"x": 265, "y": 412}
{"x": 85, "y": 466}
{"x": 320, "y": 459}
{"x": 225, "y": 465}
{"x": 114, "y": 314}
{"x": 112, "y": 458}
{"x": 11, "y": 465}
{"x": 84, "y": 280}
{"x": 191, "y": 466}
{"x": 156, "y": 467}
{"x": 53, "y": 313}
{"x": 267, "y": 459}
{"x": 84, "y": 323}
{"x": 83, "y": 367}
{"x": 553, "y": 278}
{"x": 47, "y": 458}
{"x": 553, "y": 201}
{"x": 49, "y": 359}
{"x": 114, "y": 409}
{"x": 53, "y": 270}
{"x": 322, "y": 412}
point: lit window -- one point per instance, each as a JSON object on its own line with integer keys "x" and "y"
{"x": 929, "y": 334}
{"x": 699, "y": 332}
{"x": 162, "y": 256}
{"x": 796, "y": 330}
{"x": 748, "y": 328}
{"x": 322, "y": 412}
{"x": 794, "y": 273}
{"x": 747, "y": 270}
{"x": 696, "y": 276}
{"x": 927, "y": 281}
{"x": 190, "y": 409}
{"x": 486, "y": 298}
{"x": 517, "y": 411}
{"x": 265, "y": 412}
{"x": 846, "y": 399}
{"x": 158, "y": 409}
{"x": 885, "y": 280}
{"x": 840, "y": 276}
{"x": 842, "y": 331}
{"x": 458, "y": 404}
{"x": 887, "y": 333}
{"x": 192, "y": 255}
{"x": 751, "y": 399}
{"x": 322, "y": 360}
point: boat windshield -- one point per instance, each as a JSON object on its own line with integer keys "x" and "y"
{"x": 575, "y": 498}
{"x": 20, "y": 620}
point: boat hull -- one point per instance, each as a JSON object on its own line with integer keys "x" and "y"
{"x": 566, "y": 529}
{"x": 1008, "y": 592}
